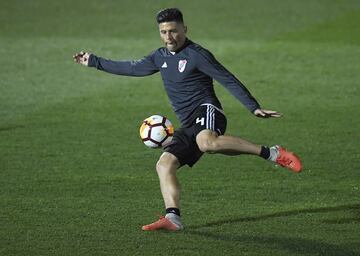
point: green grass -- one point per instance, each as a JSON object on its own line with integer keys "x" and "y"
{"x": 76, "y": 180}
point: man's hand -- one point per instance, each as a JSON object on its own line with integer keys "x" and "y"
{"x": 266, "y": 113}
{"x": 82, "y": 58}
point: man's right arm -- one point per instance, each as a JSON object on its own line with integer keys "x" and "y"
{"x": 142, "y": 67}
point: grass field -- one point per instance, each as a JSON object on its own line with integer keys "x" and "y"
{"x": 75, "y": 178}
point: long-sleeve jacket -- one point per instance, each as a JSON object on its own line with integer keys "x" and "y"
{"x": 187, "y": 75}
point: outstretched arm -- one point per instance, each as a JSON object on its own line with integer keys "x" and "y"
{"x": 207, "y": 63}
{"x": 210, "y": 66}
{"x": 142, "y": 67}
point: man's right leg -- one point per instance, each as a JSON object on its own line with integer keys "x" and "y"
{"x": 170, "y": 188}
{"x": 166, "y": 169}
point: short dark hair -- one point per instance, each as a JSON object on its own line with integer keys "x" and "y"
{"x": 168, "y": 15}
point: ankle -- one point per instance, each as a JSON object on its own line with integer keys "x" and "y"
{"x": 173, "y": 210}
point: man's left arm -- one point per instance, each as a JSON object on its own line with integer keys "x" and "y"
{"x": 207, "y": 63}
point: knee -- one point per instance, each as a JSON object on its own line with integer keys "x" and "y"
{"x": 208, "y": 145}
{"x": 167, "y": 163}
{"x": 161, "y": 165}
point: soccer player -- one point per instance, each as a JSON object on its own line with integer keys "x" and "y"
{"x": 188, "y": 70}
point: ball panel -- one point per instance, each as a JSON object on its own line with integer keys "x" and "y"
{"x": 154, "y": 119}
{"x": 144, "y": 131}
{"x": 151, "y": 144}
{"x": 170, "y": 130}
{"x": 158, "y": 133}
{"x": 169, "y": 127}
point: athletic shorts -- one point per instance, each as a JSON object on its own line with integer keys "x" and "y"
{"x": 184, "y": 146}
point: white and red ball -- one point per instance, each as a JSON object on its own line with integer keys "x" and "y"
{"x": 156, "y": 131}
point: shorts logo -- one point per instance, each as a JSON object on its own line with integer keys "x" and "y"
{"x": 201, "y": 121}
{"x": 182, "y": 65}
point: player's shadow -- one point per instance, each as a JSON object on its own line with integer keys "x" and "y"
{"x": 355, "y": 207}
{"x": 292, "y": 245}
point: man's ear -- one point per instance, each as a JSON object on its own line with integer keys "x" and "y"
{"x": 185, "y": 29}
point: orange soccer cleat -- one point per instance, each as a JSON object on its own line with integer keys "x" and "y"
{"x": 162, "y": 223}
{"x": 288, "y": 159}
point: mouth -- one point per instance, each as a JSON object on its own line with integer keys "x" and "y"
{"x": 171, "y": 44}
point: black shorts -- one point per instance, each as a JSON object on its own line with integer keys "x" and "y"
{"x": 184, "y": 146}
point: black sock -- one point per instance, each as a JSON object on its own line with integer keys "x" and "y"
{"x": 173, "y": 210}
{"x": 265, "y": 152}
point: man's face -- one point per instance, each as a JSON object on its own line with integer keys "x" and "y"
{"x": 173, "y": 35}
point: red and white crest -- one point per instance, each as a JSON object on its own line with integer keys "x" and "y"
{"x": 182, "y": 65}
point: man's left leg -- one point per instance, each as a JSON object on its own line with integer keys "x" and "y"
{"x": 210, "y": 142}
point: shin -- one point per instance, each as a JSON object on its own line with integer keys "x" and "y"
{"x": 170, "y": 188}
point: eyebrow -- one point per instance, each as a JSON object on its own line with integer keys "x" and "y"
{"x": 171, "y": 30}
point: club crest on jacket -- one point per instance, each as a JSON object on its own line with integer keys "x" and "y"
{"x": 182, "y": 65}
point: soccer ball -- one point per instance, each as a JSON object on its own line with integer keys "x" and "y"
{"x": 156, "y": 131}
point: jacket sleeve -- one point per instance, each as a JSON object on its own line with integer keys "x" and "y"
{"x": 142, "y": 67}
{"x": 207, "y": 64}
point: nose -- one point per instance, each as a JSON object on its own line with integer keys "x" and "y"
{"x": 168, "y": 36}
